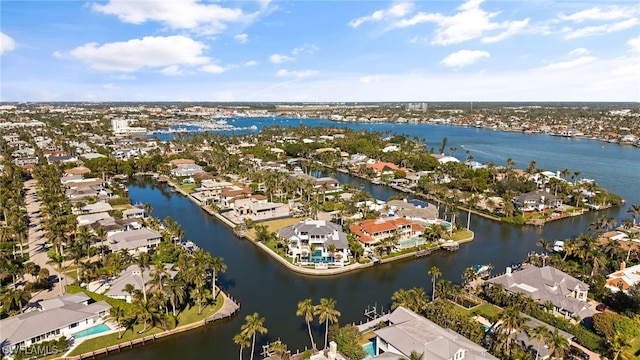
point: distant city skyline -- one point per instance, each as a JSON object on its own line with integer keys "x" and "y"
{"x": 320, "y": 51}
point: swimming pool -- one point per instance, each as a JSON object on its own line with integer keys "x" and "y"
{"x": 97, "y": 329}
{"x": 370, "y": 349}
{"x": 411, "y": 242}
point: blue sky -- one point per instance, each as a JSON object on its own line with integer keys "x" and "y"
{"x": 196, "y": 50}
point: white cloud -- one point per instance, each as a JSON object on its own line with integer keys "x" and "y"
{"x": 601, "y": 29}
{"x": 110, "y": 86}
{"x": 280, "y": 58}
{"x": 634, "y": 44}
{"x": 183, "y": 14}
{"x": 242, "y": 38}
{"x": 251, "y": 63}
{"x": 512, "y": 28}
{"x": 123, "y": 77}
{"x": 213, "y": 69}
{"x": 172, "y": 70}
{"x": 570, "y": 64}
{"x": 469, "y": 23}
{"x": 6, "y": 43}
{"x": 307, "y": 48}
{"x": 579, "y": 52}
{"x": 135, "y": 54}
{"x": 598, "y": 14}
{"x": 395, "y": 11}
{"x": 369, "y": 79}
{"x": 296, "y": 74}
{"x": 464, "y": 57}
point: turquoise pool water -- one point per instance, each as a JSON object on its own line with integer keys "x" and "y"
{"x": 97, "y": 329}
{"x": 411, "y": 242}
{"x": 370, "y": 349}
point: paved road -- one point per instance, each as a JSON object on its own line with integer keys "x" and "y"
{"x": 37, "y": 242}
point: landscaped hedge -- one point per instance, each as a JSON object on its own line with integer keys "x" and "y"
{"x": 583, "y": 336}
{"x": 72, "y": 289}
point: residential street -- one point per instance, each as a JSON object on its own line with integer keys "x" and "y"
{"x": 37, "y": 242}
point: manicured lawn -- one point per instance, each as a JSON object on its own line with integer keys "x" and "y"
{"x": 366, "y": 337}
{"x": 634, "y": 349}
{"x": 112, "y": 339}
{"x": 187, "y": 316}
{"x": 462, "y": 235}
{"x": 188, "y": 188}
{"x": 487, "y": 310}
{"x": 274, "y": 225}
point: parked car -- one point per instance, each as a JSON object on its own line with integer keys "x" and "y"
{"x": 601, "y": 307}
{"x": 576, "y": 353}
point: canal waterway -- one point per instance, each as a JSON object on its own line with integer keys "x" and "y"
{"x": 262, "y": 285}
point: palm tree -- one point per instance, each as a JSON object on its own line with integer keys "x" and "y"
{"x": 143, "y": 261}
{"x": 326, "y": 312}
{"x": 634, "y": 209}
{"x": 252, "y": 326}
{"x": 415, "y": 355}
{"x": 175, "y": 288}
{"x": 512, "y": 322}
{"x": 306, "y": 309}
{"x": 435, "y": 273}
{"x": 538, "y": 333}
{"x": 243, "y": 340}
{"x": 558, "y": 345}
{"x": 117, "y": 314}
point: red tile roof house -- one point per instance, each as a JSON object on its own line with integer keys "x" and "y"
{"x": 386, "y": 168}
{"x": 370, "y": 232}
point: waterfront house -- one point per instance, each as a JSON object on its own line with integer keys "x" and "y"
{"x": 408, "y": 332}
{"x": 386, "y": 168}
{"x": 443, "y": 159}
{"x": 321, "y": 185}
{"x": 310, "y": 237}
{"x": 624, "y": 278}
{"x": 96, "y": 208}
{"x": 135, "y": 276}
{"x": 187, "y": 170}
{"x": 53, "y": 318}
{"x": 415, "y": 210}
{"x": 257, "y": 208}
{"x": 370, "y": 232}
{"x": 228, "y": 195}
{"x": 548, "y": 284}
{"x": 134, "y": 241}
{"x": 134, "y": 212}
{"x": 537, "y": 201}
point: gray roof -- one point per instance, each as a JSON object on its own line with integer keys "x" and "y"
{"x": 131, "y": 275}
{"x": 405, "y": 209}
{"x": 547, "y": 284}
{"x": 19, "y": 328}
{"x": 132, "y": 239}
{"x": 416, "y": 333}
{"x": 317, "y": 227}
{"x": 536, "y": 196}
{"x": 63, "y": 300}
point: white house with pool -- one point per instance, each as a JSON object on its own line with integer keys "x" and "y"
{"x": 67, "y": 315}
{"x": 310, "y": 241}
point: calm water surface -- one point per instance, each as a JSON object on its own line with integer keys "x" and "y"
{"x": 262, "y": 285}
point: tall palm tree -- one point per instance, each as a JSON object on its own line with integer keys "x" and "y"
{"x": 435, "y": 273}
{"x": 143, "y": 261}
{"x": 538, "y": 333}
{"x": 175, "y": 289}
{"x": 558, "y": 345}
{"x": 512, "y": 323}
{"x": 326, "y": 312}
{"x": 634, "y": 209}
{"x": 243, "y": 340}
{"x": 117, "y": 314}
{"x": 253, "y": 324}
{"x": 306, "y": 309}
